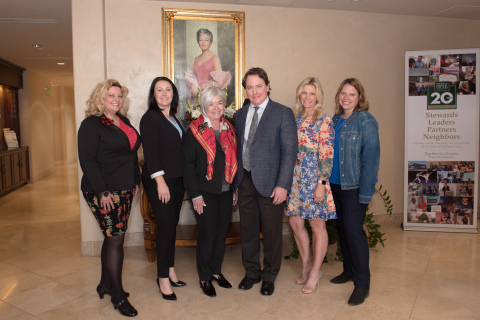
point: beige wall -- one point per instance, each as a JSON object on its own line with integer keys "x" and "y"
{"x": 70, "y": 126}
{"x": 47, "y": 124}
{"x": 36, "y": 124}
{"x": 290, "y": 44}
{"x": 59, "y": 127}
{"x": 64, "y": 129}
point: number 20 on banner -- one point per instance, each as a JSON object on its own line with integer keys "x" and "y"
{"x": 442, "y": 95}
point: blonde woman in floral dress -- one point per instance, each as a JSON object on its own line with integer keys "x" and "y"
{"x": 311, "y": 197}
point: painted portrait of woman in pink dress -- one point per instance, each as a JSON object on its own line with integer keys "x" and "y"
{"x": 207, "y": 68}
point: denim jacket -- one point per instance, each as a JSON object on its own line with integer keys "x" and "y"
{"x": 359, "y": 155}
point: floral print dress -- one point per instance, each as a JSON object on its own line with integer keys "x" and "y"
{"x": 314, "y": 160}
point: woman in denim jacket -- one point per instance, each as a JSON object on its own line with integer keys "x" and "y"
{"x": 355, "y": 166}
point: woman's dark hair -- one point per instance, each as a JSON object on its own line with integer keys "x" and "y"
{"x": 152, "y": 103}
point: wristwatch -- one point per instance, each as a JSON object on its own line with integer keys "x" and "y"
{"x": 324, "y": 182}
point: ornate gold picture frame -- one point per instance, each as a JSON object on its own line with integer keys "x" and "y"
{"x": 181, "y": 49}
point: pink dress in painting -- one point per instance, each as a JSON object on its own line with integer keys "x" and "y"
{"x": 204, "y": 75}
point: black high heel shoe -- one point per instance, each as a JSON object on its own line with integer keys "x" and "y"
{"x": 177, "y": 284}
{"x": 125, "y": 308}
{"x": 103, "y": 291}
{"x": 170, "y": 297}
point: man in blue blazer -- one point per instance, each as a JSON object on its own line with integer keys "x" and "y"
{"x": 266, "y": 158}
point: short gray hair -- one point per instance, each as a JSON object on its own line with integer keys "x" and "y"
{"x": 204, "y": 31}
{"x": 207, "y": 95}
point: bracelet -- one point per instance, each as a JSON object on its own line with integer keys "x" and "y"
{"x": 103, "y": 194}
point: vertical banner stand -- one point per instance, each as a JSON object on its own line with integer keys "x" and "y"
{"x": 441, "y": 140}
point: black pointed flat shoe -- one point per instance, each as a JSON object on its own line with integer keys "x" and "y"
{"x": 125, "y": 308}
{"x": 177, "y": 284}
{"x": 103, "y": 291}
{"x": 208, "y": 288}
{"x": 222, "y": 282}
{"x": 169, "y": 297}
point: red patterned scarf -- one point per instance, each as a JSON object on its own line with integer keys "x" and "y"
{"x": 205, "y": 135}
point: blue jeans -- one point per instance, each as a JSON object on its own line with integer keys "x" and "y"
{"x": 353, "y": 240}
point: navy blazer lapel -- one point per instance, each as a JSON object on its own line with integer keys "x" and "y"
{"x": 240, "y": 122}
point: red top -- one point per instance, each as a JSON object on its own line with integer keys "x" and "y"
{"x": 131, "y": 134}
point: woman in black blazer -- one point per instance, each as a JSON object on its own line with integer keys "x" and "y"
{"x": 209, "y": 166}
{"x": 162, "y": 175}
{"x": 107, "y": 151}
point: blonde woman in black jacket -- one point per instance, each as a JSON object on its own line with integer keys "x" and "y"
{"x": 107, "y": 151}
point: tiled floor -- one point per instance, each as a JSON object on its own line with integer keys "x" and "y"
{"x": 43, "y": 276}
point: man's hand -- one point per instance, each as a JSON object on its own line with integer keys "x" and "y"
{"x": 279, "y": 195}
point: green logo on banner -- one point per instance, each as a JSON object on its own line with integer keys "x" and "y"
{"x": 442, "y": 95}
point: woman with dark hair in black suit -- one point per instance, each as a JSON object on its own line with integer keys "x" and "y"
{"x": 162, "y": 175}
{"x": 107, "y": 151}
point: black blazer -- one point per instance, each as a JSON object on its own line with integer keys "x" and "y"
{"x": 162, "y": 145}
{"x": 106, "y": 159}
{"x": 194, "y": 163}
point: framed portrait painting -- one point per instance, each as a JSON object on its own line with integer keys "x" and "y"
{"x": 203, "y": 48}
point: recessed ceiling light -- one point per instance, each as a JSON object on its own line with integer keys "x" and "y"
{"x": 36, "y": 45}
{"x": 61, "y": 63}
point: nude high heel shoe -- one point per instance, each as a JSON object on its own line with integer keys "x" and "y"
{"x": 308, "y": 290}
{"x": 300, "y": 281}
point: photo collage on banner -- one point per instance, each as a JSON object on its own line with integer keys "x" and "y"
{"x": 457, "y": 69}
{"x": 441, "y": 141}
{"x": 441, "y": 192}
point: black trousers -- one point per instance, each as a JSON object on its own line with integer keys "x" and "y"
{"x": 256, "y": 209}
{"x": 167, "y": 216}
{"x": 212, "y": 231}
{"x": 353, "y": 240}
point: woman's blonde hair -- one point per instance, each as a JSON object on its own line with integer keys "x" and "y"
{"x": 362, "y": 98}
{"x": 317, "y": 109}
{"x": 97, "y": 97}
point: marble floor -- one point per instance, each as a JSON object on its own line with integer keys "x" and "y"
{"x": 416, "y": 275}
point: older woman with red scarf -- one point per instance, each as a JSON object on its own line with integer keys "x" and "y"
{"x": 209, "y": 165}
